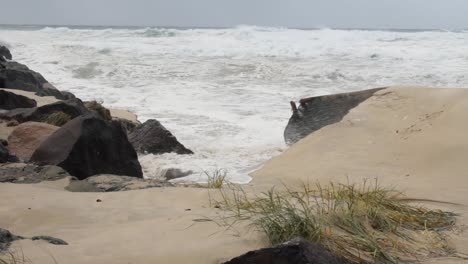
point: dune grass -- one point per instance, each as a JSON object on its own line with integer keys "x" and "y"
{"x": 10, "y": 257}
{"x": 57, "y": 119}
{"x": 362, "y": 223}
{"x": 216, "y": 179}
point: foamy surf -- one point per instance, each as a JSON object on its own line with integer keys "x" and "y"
{"x": 224, "y": 92}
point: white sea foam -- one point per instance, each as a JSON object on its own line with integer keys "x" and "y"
{"x": 224, "y": 92}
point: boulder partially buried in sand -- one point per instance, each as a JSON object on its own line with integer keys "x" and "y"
{"x": 26, "y": 137}
{"x": 88, "y": 146}
{"x": 296, "y": 251}
{"x": 152, "y": 137}
{"x": 9, "y": 101}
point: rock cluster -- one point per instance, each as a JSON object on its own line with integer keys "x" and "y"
{"x": 71, "y": 137}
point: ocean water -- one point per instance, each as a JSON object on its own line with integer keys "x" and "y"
{"x": 224, "y": 93}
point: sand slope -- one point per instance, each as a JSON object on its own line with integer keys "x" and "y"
{"x": 146, "y": 226}
{"x": 413, "y": 139}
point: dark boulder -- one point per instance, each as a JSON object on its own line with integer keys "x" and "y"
{"x": 296, "y": 251}
{"x": 154, "y": 138}
{"x": 56, "y": 113}
{"x": 87, "y": 146}
{"x": 320, "y": 111}
{"x": 9, "y": 101}
{"x": 30, "y": 173}
{"x": 15, "y": 75}
{"x": 5, "y": 52}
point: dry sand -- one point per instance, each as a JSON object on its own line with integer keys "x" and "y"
{"x": 413, "y": 139}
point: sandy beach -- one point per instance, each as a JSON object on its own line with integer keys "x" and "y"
{"x": 409, "y": 138}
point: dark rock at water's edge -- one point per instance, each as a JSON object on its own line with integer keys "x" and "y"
{"x": 5, "y": 52}
{"x": 317, "y": 112}
{"x": 114, "y": 183}
{"x": 30, "y": 173}
{"x": 9, "y": 101}
{"x": 87, "y": 146}
{"x": 56, "y": 113}
{"x": 15, "y": 75}
{"x": 296, "y": 251}
{"x": 152, "y": 137}
{"x": 6, "y": 237}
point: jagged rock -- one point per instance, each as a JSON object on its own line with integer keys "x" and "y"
{"x": 113, "y": 183}
{"x": 30, "y": 173}
{"x": 56, "y": 113}
{"x": 88, "y": 146}
{"x": 6, "y": 237}
{"x": 15, "y": 75}
{"x": 5, "y": 52}
{"x": 10, "y": 101}
{"x": 26, "y": 137}
{"x": 50, "y": 240}
{"x": 317, "y": 112}
{"x": 152, "y": 137}
{"x": 296, "y": 251}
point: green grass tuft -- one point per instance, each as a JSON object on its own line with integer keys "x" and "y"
{"x": 216, "y": 179}
{"x": 365, "y": 223}
{"x": 57, "y": 119}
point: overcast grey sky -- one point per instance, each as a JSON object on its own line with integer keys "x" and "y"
{"x": 445, "y": 14}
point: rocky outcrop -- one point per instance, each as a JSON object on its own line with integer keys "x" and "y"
{"x": 15, "y": 75}
{"x": 26, "y": 137}
{"x": 317, "y": 112}
{"x": 88, "y": 146}
{"x": 10, "y": 101}
{"x": 113, "y": 183}
{"x": 30, "y": 173}
{"x": 152, "y": 137}
{"x": 5, "y": 52}
{"x": 296, "y": 251}
{"x": 57, "y": 113}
